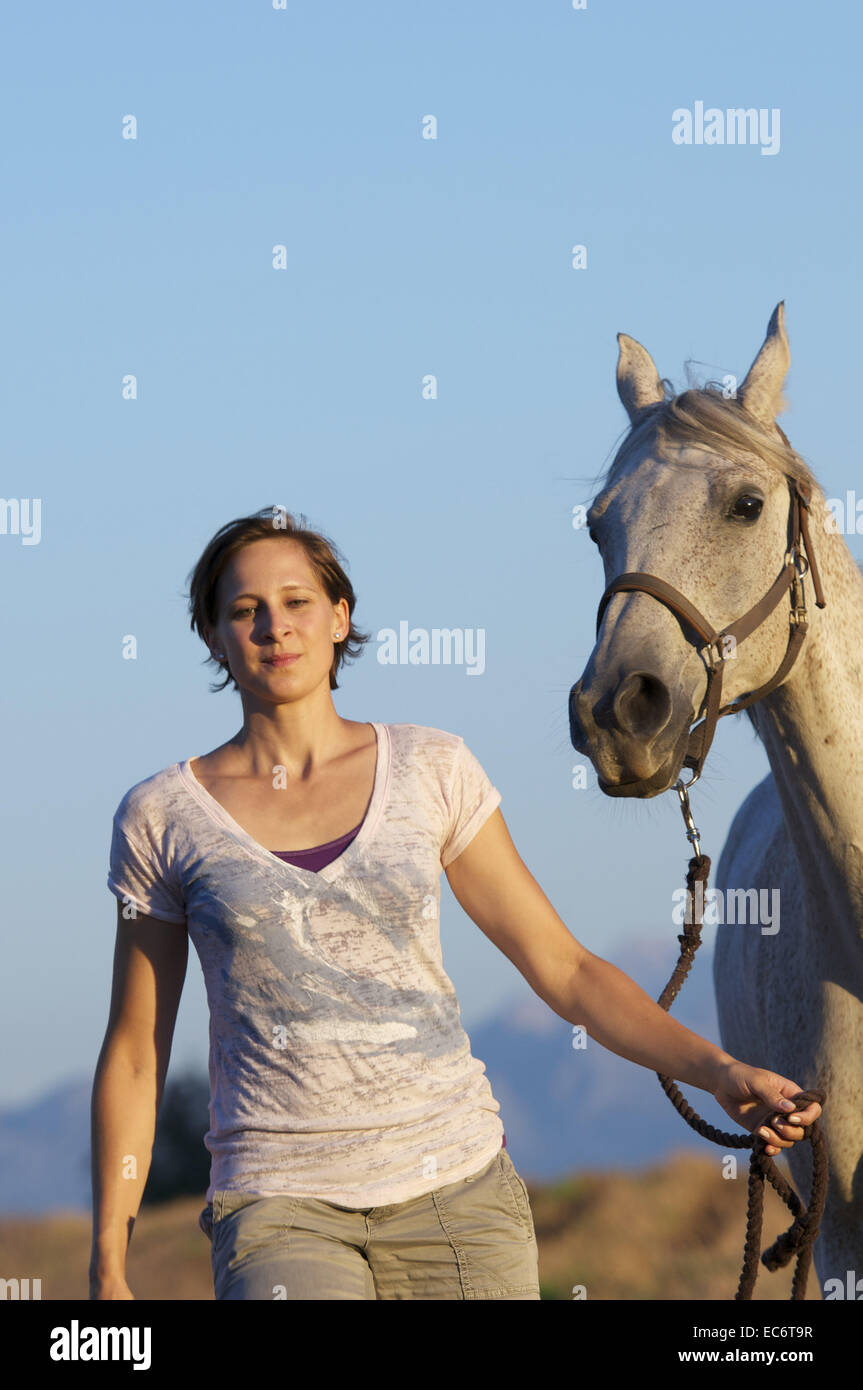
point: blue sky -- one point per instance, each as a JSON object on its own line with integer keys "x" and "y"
{"x": 302, "y": 127}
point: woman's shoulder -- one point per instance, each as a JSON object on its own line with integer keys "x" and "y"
{"x": 148, "y": 799}
{"x": 434, "y": 756}
{"x": 409, "y": 738}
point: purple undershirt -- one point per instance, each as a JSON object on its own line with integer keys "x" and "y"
{"x": 320, "y": 855}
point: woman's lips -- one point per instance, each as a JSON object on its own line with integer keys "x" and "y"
{"x": 282, "y": 660}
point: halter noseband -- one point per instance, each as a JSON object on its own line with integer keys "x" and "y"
{"x": 717, "y": 647}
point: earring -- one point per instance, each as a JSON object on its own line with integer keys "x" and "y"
{"x": 338, "y": 634}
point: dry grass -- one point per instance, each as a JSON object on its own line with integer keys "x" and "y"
{"x": 675, "y": 1231}
{"x": 670, "y": 1232}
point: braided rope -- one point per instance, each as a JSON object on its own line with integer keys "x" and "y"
{"x": 802, "y": 1233}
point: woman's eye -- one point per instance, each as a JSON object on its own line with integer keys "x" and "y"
{"x": 748, "y": 508}
{"x": 252, "y": 608}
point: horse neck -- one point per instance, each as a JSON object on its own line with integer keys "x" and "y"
{"x": 813, "y": 734}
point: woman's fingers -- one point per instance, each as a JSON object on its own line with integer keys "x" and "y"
{"x": 809, "y": 1115}
{"x": 793, "y": 1132}
{"x": 773, "y": 1140}
{"x": 800, "y": 1118}
{"x": 781, "y": 1134}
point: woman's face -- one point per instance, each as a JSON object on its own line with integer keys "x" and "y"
{"x": 271, "y": 603}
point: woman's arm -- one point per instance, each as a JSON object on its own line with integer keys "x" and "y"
{"x": 496, "y": 889}
{"x": 150, "y": 959}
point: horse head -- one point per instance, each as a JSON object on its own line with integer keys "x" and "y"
{"x": 706, "y": 496}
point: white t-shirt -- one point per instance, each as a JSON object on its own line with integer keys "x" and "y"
{"x": 339, "y": 1068}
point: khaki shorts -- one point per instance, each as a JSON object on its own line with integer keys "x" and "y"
{"x": 473, "y": 1238}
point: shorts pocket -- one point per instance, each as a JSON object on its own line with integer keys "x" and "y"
{"x": 227, "y": 1202}
{"x": 234, "y": 1226}
{"x": 516, "y": 1188}
{"x": 250, "y": 1231}
{"x": 490, "y": 1229}
{"x": 205, "y": 1221}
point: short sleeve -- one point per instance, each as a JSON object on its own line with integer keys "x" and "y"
{"x": 135, "y": 876}
{"x": 470, "y": 798}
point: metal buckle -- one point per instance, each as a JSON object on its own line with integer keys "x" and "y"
{"x": 798, "y": 616}
{"x": 693, "y": 834}
{"x": 684, "y": 786}
{"x": 713, "y": 655}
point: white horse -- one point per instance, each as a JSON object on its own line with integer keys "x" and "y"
{"x": 698, "y": 495}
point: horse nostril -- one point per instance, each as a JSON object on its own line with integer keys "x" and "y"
{"x": 642, "y": 704}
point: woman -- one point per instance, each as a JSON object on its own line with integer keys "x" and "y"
{"x": 357, "y": 1151}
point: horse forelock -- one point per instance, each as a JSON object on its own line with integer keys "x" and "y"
{"x": 704, "y": 418}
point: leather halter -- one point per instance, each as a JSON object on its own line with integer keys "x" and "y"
{"x": 717, "y": 648}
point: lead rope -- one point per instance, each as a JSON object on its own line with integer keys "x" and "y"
{"x": 801, "y": 1234}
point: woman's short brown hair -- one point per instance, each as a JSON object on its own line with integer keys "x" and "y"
{"x": 270, "y": 522}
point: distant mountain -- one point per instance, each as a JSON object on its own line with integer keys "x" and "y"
{"x": 562, "y": 1109}
{"x": 565, "y": 1109}
{"x": 44, "y": 1151}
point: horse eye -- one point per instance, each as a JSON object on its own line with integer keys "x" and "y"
{"x": 748, "y": 507}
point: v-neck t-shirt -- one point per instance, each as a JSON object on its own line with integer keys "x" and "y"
{"x": 339, "y": 1067}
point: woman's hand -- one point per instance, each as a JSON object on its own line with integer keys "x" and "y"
{"x": 754, "y": 1098}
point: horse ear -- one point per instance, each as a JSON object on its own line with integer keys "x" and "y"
{"x": 761, "y": 392}
{"x": 638, "y": 382}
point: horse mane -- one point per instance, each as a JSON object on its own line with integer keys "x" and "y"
{"x": 702, "y": 417}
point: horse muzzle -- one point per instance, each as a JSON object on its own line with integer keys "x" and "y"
{"x": 633, "y": 733}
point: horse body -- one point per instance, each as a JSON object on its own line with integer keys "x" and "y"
{"x": 698, "y": 495}
{"x": 793, "y": 1001}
